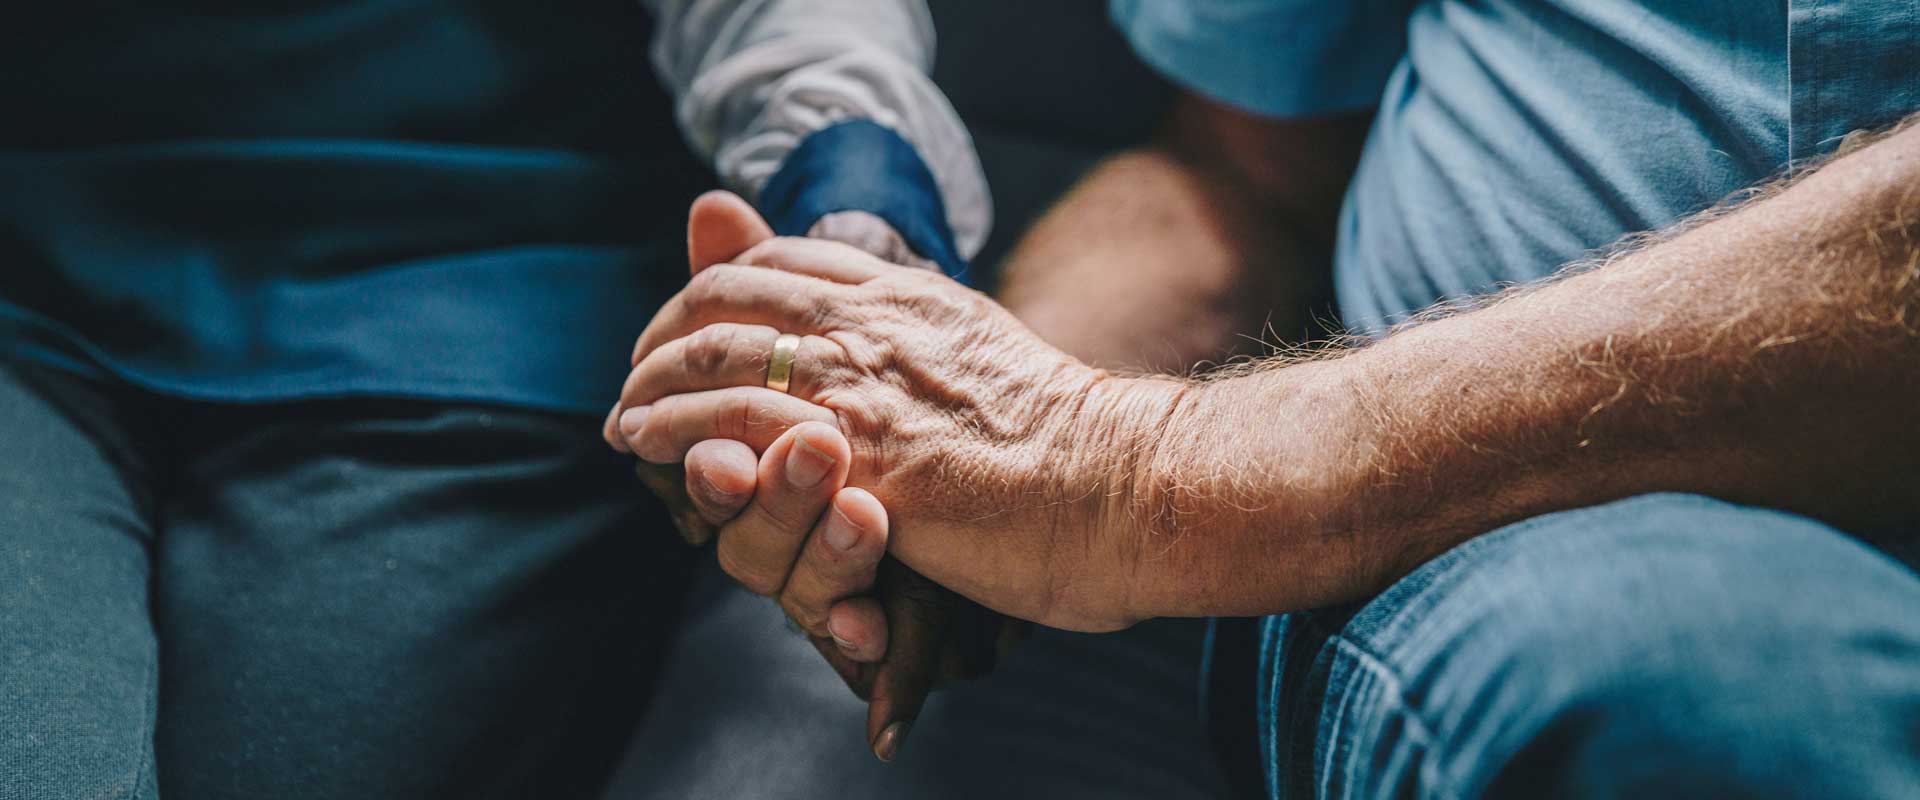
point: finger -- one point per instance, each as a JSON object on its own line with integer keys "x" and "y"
{"x": 837, "y": 562}
{"x": 668, "y": 483}
{"x": 733, "y": 293}
{"x": 610, "y": 430}
{"x": 664, "y": 431}
{"x": 916, "y": 622}
{"x": 799, "y": 474}
{"x": 857, "y": 676}
{"x": 721, "y": 226}
{"x": 858, "y": 627}
{"x": 728, "y": 354}
{"x": 820, "y": 258}
{"x": 720, "y": 478}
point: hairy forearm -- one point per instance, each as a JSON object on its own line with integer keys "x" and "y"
{"x": 1769, "y": 354}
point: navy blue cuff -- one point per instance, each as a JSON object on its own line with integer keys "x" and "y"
{"x": 859, "y": 165}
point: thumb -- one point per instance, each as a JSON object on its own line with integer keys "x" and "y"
{"x": 721, "y": 226}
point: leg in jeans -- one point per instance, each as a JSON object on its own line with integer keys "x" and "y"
{"x": 1668, "y": 643}
{"x": 375, "y": 600}
{"x": 77, "y": 649}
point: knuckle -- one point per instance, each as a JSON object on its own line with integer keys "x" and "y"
{"x": 698, "y": 291}
{"x": 707, "y": 288}
{"x": 760, "y": 415}
{"x": 854, "y": 353}
{"x": 814, "y": 367}
{"x": 837, "y": 359}
{"x": 804, "y": 612}
{"x": 656, "y": 433}
{"x": 707, "y": 349}
{"x": 859, "y": 416}
{"x": 753, "y": 578}
{"x": 789, "y": 515}
{"x": 734, "y": 419}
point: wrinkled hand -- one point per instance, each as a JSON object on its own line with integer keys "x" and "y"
{"x": 997, "y": 455}
{"x": 889, "y": 633}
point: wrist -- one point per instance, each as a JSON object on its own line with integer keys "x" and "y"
{"x": 869, "y": 233}
{"x": 1112, "y": 441}
{"x": 1249, "y": 500}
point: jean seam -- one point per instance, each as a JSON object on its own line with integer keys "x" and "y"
{"x": 1339, "y": 744}
{"x": 1268, "y": 708}
{"x": 1394, "y": 691}
{"x": 151, "y": 729}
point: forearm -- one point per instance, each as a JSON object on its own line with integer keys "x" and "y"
{"x": 1768, "y": 356}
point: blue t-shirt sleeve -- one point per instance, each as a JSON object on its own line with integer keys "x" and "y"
{"x": 1280, "y": 58}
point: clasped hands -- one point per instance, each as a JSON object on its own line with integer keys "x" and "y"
{"x": 921, "y": 420}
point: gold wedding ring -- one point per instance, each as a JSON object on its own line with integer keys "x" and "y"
{"x": 780, "y": 364}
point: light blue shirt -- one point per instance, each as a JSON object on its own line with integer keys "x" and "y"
{"x": 1515, "y": 136}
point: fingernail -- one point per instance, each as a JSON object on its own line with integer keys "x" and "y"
{"x": 716, "y": 496}
{"x": 888, "y": 744}
{"x": 632, "y": 420}
{"x": 806, "y": 464}
{"x": 845, "y": 646}
{"x": 839, "y": 637}
{"x": 841, "y": 534}
{"x": 612, "y": 427}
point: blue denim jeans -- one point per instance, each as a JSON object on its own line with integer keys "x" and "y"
{"x": 1664, "y": 645}
{"x": 328, "y": 600}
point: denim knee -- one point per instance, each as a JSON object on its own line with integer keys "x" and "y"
{"x": 1666, "y": 642}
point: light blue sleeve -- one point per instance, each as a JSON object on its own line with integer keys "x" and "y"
{"x": 1281, "y": 58}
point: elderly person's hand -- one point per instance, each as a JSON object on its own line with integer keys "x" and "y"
{"x": 1000, "y": 459}
{"x": 891, "y": 634}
